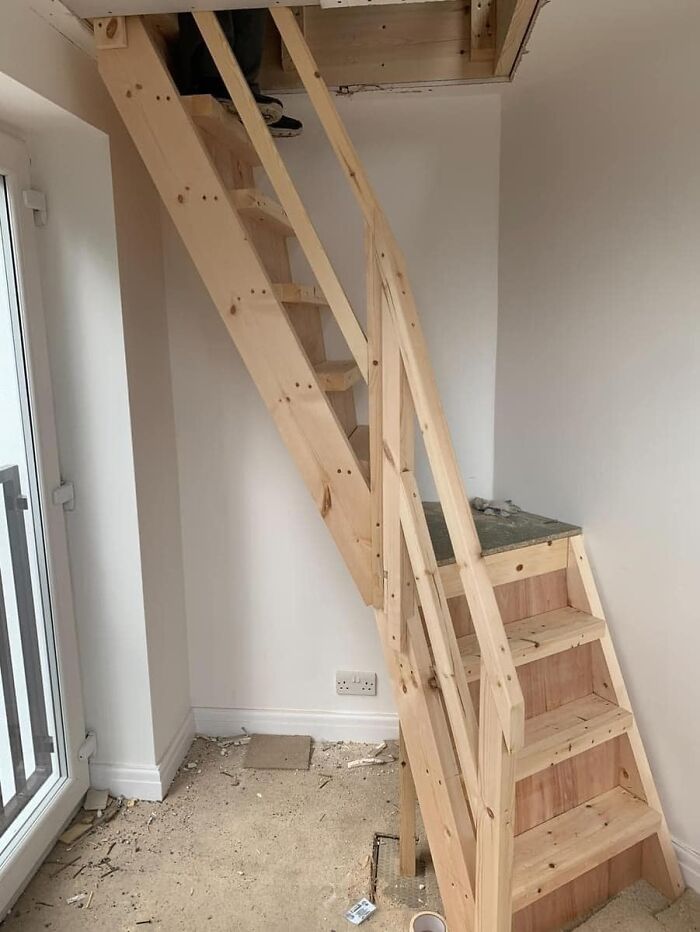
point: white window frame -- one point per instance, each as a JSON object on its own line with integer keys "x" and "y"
{"x": 38, "y": 835}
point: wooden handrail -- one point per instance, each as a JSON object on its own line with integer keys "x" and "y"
{"x": 508, "y": 697}
{"x": 287, "y": 193}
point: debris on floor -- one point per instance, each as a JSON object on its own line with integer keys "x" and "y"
{"x": 88, "y": 819}
{"x": 278, "y": 752}
{"x": 215, "y": 856}
{"x": 503, "y": 508}
{"x": 360, "y": 911}
{"x": 369, "y": 762}
{"x": 96, "y": 800}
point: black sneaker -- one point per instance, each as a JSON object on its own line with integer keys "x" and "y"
{"x": 286, "y": 126}
{"x": 270, "y": 108}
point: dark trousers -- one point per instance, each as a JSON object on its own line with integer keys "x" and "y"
{"x": 196, "y": 72}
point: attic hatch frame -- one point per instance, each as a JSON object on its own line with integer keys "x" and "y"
{"x": 370, "y": 45}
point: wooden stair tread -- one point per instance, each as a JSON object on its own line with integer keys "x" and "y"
{"x": 337, "y": 375}
{"x": 291, "y": 293}
{"x": 536, "y": 637}
{"x": 210, "y": 116}
{"x": 569, "y": 730}
{"x": 259, "y": 206}
{"x": 556, "y": 852}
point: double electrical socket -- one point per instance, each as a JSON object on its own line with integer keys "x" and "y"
{"x": 354, "y": 683}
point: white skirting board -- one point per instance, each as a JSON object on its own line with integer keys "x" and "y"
{"x": 370, "y": 727}
{"x": 139, "y": 781}
{"x": 689, "y": 861}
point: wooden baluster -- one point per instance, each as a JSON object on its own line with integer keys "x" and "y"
{"x": 494, "y": 830}
{"x": 374, "y": 340}
{"x": 407, "y": 813}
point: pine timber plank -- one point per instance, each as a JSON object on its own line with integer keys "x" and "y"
{"x": 447, "y": 666}
{"x": 512, "y": 565}
{"x": 514, "y": 17}
{"x": 393, "y": 399}
{"x": 220, "y": 247}
{"x": 483, "y": 30}
{"x": 426, "y": 398}
{"x": 527, "y": 561}
{"x": 569, "y": 730}
{"x": 291, "y": 293}
{"x": 661, "y": 861}
{"x": 580, "y": 896}
{"x": 212, "y": 117}
{"x": 558, "y": 851}
{"x": 435, "y": 771}
{"x": 262, "y": 208}
{"x": 407, "y": 813}
{"x": 338, "y": 375}
{"x": 537, "y": 637}
{"x": 367, "y": 441}
{"x": 494, "y": 820}
{"x": 281, "y": 181}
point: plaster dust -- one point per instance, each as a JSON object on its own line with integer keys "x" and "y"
{"x": 236, "y": 850}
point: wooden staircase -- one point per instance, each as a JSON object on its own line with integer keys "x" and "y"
{"x": 517, "y": 732}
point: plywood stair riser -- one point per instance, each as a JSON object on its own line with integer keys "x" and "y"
{"x": 571, "y": 793}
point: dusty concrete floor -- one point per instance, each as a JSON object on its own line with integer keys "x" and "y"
{"x": 640, "y": 908}
{"x": 241, "y": 850}
{"x": 274, "y": 851}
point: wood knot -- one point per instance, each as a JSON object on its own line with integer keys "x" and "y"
{"x": 232, "y": 309}
{"x": 326, "y": 503}
{"x": 112, "y": 27}
{"x": 490, "y": 813}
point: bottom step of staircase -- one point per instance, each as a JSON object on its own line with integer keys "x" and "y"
{"x": 556, "y": 852}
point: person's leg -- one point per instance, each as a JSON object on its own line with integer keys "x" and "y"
{"x": 247, "y": 43}
{"x": 195, "y": 71}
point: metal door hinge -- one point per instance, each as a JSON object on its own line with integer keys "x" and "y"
{"x": 64, "y": 495}
{"x": 36, "y": 202}
{"x": 89, "y": 746}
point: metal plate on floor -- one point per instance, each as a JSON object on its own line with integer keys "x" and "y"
{"x": 419, "y": 892}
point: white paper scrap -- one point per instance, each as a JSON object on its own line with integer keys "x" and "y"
{"x": 360, "y": 911}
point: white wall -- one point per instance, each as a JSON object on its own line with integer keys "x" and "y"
{"x": 104, "y": 299}
{"x": 599, "y": 336}
{"x": 272, "y": 612}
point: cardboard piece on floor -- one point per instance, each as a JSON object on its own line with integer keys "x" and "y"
{"x": 278, "y": 752}
{"x": 95, "y": 800}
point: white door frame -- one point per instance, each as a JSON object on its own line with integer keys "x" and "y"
{"x": 32, "y": 844}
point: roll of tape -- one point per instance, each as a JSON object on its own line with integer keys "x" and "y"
{"x": 428, "y": 922}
